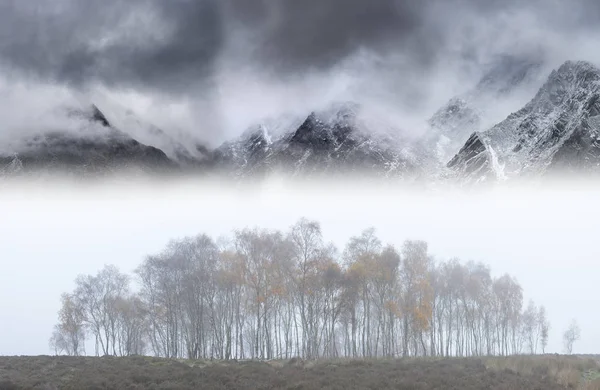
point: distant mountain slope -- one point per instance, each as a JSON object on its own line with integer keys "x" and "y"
{"x": 96, "y": 148}
{"x": 332, "y": 141}
{"x": 178, "y": 148}
{"x": 557, "y": 131}
{"x": 472, "y": 111}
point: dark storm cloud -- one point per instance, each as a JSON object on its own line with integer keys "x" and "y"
{"x": 184, "y": 57}
{"x": 318, "y": 33}
{"x": 179, "y": 47}
{"x": 56, "y": 40}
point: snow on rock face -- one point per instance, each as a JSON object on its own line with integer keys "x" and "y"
{"x": 14, "y": 167}
{"x": 453, "y": 124}
{"x": 473, "y": 160}
{"x": 558, "y": 130}
{"x": 244, "y": 155}
{"x": 96, "y": 148}
{"x": 183, "y": 151}
{"x": 330, "y": 141}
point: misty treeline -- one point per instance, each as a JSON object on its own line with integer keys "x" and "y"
{"x": 269, "y": 294}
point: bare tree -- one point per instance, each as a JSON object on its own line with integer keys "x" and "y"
{"x": 544, "y": 328}
{"x": 59, "y": 342}
{"x": 132, "y": 322}
{"x": 69, "y": 334}
{"x": 570, "y": 336}
{"x": 98, "y": 297}
{"x": 531, "y": 328}
{"x": 361, "y": 256}
{"x": 307, "y": 242}
{"x": 417, "y": 294}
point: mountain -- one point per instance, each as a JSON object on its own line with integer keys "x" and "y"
{"x": 180, "y": 148}
{"x": 450, "y": 124}
{"x": 558, "y": 131}
{"x": 246, "y": 155}
{"x": 93, "y": 147}
{"x": 504, "y": 79}
{"x": 335, "y": 140}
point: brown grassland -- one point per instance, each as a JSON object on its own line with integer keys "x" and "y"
{"x": 545, "y": 372}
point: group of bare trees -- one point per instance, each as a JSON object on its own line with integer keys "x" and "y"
{"x": 269, "y": 294}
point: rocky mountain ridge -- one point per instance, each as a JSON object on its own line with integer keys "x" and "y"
{"x": 452, "y": 125}
{"x": 97, "y": 149}
{"x": 328, "y": 142}
{"x": 557, "y": 131}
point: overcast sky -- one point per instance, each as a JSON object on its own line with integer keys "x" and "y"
{"x": 211, "y": 68}
{"x": 547, "y": 240}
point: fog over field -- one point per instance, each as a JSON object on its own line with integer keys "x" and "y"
{"x": 52, "y": 233}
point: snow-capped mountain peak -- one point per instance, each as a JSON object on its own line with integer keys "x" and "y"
{"x": 334, "y": 139}
{"x": 91, "y": 145}
{"x": 559, "y": 129}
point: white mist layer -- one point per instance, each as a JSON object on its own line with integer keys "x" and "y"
{"x": 546, "y": 238}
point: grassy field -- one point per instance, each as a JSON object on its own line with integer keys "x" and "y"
{"x": 523, "y": 372}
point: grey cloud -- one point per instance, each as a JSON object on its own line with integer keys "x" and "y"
{"x": 178, "y": 49}
{"x": 55, "y": 40}
{"x": 318, "y": 33}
